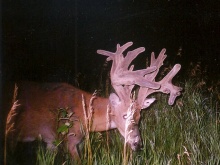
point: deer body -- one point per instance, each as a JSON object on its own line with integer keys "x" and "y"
{"x": 34, "y": 111}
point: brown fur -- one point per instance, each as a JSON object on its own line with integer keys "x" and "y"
{"x": 34, "y": 113}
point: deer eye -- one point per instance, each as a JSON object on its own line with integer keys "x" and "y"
{"x": 125, "y": 116}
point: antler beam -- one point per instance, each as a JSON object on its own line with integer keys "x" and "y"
{"x": 122, "y": 76}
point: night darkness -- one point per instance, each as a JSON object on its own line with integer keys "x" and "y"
{"x": 57, "y": 40}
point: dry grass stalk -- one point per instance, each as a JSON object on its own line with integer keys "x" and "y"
{"x": 88, "y": 124}
{"x": 108, "y": 126}
{"x": 85, "y": 113}
{"x": 91, "y": 109}
{"x": 128, "y": 130}
{"x": 15, "y": 93}
{"x": 181, "y": 156}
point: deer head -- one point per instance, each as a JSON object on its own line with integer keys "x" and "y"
{"x": 125, "y": 107}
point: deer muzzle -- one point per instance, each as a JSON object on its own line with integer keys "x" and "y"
{"x": 136, "y": 144}
{"x": 134, "y": 139}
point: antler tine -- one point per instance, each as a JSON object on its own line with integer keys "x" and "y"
{"x": 144, "y": 92}
{"x": 156, "y": 62}
{"x": 119, "y": 51}
{"x": 131, "y": 55}
{"x": 161, "y": 57}
{"x": 167, "y": 86}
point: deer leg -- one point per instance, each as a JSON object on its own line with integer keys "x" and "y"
{"x": 73, "y": 141}
{"x": 74, "y": 153}
{"x": 49, "y": 144}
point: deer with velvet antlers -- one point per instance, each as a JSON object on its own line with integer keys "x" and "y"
{"x": 32, "y": 113}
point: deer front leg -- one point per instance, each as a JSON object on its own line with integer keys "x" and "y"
{"x": 74, "y": 153}
{"x": 72, "y": 147}
{"x": 73, "y": 139}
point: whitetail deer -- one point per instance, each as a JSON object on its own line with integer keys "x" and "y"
{"x": 33, "y": 112}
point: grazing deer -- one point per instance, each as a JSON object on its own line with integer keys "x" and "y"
{"x": 33, "y": 112}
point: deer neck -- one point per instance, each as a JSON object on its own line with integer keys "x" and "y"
{"x": 101, "y": 119}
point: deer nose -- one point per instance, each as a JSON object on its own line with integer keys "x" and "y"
{"x": 136, "y": 144}
{"x": 137, "y": 141}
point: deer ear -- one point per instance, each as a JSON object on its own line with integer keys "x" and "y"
{"x": 114, "y": 99}
{"x": 147, "y": 102}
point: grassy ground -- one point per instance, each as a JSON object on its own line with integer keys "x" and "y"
{"x": 186, "y": 133}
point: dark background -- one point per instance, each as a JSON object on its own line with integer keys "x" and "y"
{"x": 56, "y": 40}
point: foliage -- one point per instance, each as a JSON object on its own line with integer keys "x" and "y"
{"x": 64, "y": 123}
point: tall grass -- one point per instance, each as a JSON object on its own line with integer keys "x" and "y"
{"x": 45, "y": 156}
{"x": 186, "y": 133}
